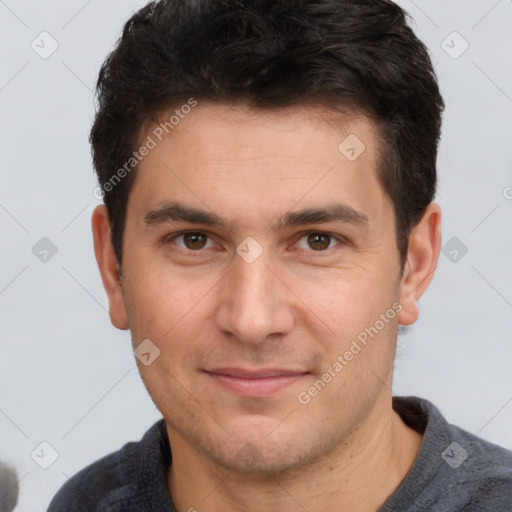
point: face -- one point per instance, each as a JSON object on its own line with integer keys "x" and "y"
{"x": 260, "y": 259}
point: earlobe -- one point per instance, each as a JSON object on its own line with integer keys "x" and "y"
{"x": 108, "y": 266}
{"x": 422, "y": 258}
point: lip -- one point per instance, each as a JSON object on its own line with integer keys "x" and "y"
{"x": 255, "y": 383}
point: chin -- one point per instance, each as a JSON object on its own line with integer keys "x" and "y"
{"x": 260, "y": 461}
{"x": 264, "y": 455}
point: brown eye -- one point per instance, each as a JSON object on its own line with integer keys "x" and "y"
{"x": 194, "y": 241}
{"x": 319, "y": 241}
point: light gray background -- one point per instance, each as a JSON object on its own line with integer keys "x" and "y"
{"x": 69, "y": 378}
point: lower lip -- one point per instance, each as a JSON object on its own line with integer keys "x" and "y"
{"x": 255, "y": 387}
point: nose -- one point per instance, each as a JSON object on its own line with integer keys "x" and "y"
{"x": 255, "y": 304}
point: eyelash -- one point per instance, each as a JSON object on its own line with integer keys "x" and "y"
{"x": 170, "y": 238}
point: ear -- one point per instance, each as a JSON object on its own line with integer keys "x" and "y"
{"x": 422, "y": 258}
{"x": 108, "y": 265}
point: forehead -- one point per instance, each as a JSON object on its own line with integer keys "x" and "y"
{"x": 227, "y": 131}
{"x": 234, "y": 156}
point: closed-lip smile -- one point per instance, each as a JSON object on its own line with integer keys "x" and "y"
{"x": 255, "y": 382}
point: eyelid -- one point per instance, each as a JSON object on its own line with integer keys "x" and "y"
{"x": 172, "y": 236}
{"x": 339, "y": 238}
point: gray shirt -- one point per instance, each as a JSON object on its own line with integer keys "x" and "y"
{"x": 454, "y": 471}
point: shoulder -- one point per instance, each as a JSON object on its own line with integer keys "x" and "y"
{"x": 480, "y": 469}
{"x": 462, "y": 449}
{"x": 470, "y": 456}
{"x": 90, "y": 487}
{"x": 110, "y": 481}
{"x": 454, "y": 470}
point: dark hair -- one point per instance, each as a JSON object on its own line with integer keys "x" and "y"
{"x": 270, "y": 54}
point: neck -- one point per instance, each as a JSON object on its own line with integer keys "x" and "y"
{"x": 358, "y": 475}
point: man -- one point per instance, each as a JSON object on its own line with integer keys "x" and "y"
{"x": 268, "y": 170}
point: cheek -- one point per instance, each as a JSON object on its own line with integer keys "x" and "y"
{"x": 162, "y": 301}
{"x": 358, "y": 339}
{"x": 349, "y": 302}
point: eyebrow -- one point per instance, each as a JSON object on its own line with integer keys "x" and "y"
{"x": 334, "y": 212}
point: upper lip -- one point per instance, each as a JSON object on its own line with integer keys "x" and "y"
{"x": 262, "y": 373}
